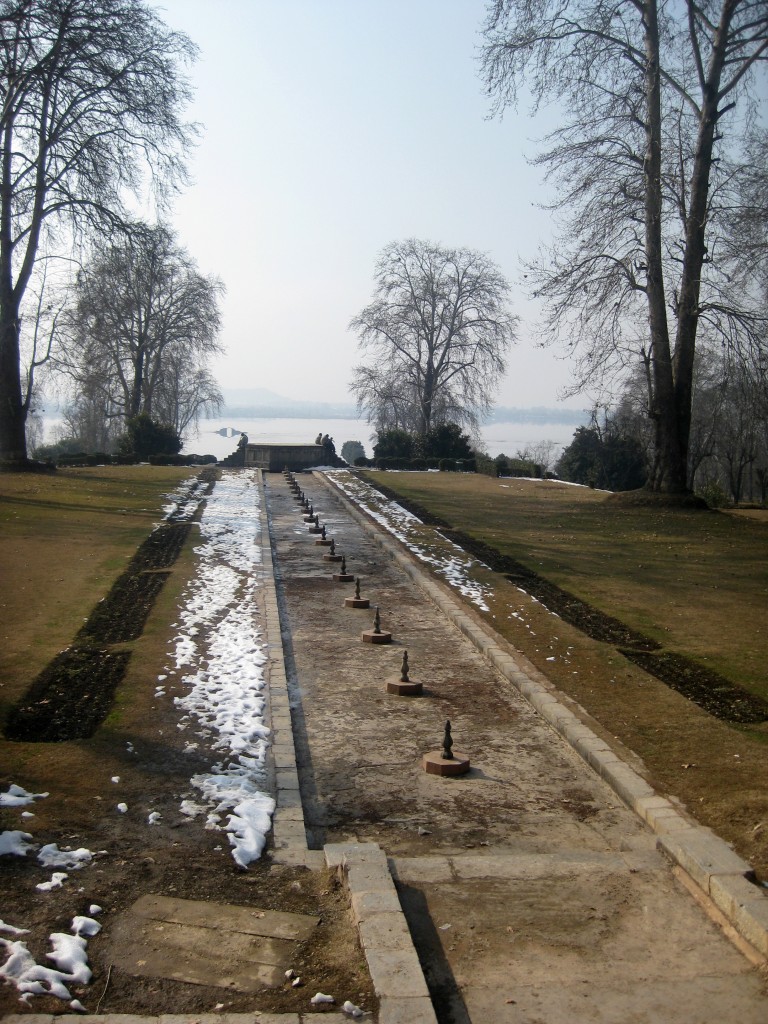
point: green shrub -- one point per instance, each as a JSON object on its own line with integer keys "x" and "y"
{"x": 714, "y": 495}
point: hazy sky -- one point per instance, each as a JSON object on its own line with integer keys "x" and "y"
{"x": 332, "y": 127}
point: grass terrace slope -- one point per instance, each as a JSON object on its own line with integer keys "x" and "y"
{"x": 64, "y": 540}
{"x": 691, "y": 584}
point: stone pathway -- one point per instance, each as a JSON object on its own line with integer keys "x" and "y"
{"x": 532, "y": 893}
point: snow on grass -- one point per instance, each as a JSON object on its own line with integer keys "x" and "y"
{"x": 50, "y": 856}
{"x": 55, "y": 883}
{"x": 18, "y": 797}
{"x": 68, "y": 951}
{"x": 220, "y": 648}
{"x": 68, "y": 954}
{"x": 409, "y": 530}
{"x": 16, "y": 842}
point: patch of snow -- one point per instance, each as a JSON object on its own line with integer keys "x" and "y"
{"x": 224, "y": 676}
{"x": 407, "y": 528}
{"x": 85, "y": 926}
{"x": 11, "y": 930}
{"x": 30, "y": 978}
{"x": 16, "y": 842}
{"x": 18, "y": 797}
{"x": 55, "y": 883}
{"x": 50, "y": 856}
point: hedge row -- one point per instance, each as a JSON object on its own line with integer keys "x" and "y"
{"x": 105, "y": 459}
{"x": 502, "y": 466}
{"x": 444, "y": 465}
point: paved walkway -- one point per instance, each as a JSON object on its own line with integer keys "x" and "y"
{"x": 532, "y": 893}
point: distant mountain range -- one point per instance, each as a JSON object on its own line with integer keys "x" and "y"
{"x": 261, "y": 403}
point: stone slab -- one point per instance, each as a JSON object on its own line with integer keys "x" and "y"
{"x": 418, "y": 1010}
{"x": 412, "y": 688}
{"x": 382, "y": 637}
{"x": 368, "y": 904}
{"x": 746, "y": 905}
{"x": 396, "y": 971}
{"x": 224, "y": 917}
{"x": 233, "y": 961}
{"x": 702, "y": 854}
{"x": 385, "y": 931}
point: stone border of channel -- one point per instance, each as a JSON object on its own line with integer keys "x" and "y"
{"x": 375, "y": 907}
{"x": 702, "y": 855}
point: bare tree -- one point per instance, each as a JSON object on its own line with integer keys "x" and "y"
{"x": 435, "y": 335}
{"x": 145, "y": 325}
{"x": 92, "y": 93}
{"x": 652, "y": 162}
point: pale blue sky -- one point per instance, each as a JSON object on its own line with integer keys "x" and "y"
{"x": 332, "y": 127}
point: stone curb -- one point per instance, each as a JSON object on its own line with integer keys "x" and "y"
{"x": 395, "y": 969}
{"x": 708, "y": 860}
{"x": 256, "y": 1017}
{"x": 288, "y": 827}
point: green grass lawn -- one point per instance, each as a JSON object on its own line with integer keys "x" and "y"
{"x": 64, "y": 539}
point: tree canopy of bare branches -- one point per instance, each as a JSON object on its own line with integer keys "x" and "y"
{"x": 92, "y": 96}
{"x": 145, "y": 325}
{"x": 435, "y": 337}
{"x": 654, "y": 167}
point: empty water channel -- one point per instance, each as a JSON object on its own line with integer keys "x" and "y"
{"x": 526, "y": 869}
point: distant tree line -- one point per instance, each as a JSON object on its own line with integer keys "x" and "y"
{"x": 134, "y": 339}
{"x": 93, "y": 94}
{"x": 728, "y": 449}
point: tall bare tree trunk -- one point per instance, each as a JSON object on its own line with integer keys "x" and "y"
{"x": 12, "y": 411}
{"x": 669, "y": 472}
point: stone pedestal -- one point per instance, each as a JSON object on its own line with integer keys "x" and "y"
{"x": 434, "y": 763}
{"x": 315, "y": 529}
{"x": 343, "y": 577}
{"x": 333, "y": 558}
{"x": 357, "y": 602}
{"x": 410, "y": 689}
{"x": 325, "y": 543}
{"x": 370, "y": 636}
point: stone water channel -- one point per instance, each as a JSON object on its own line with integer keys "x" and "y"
{"x": 533, "y": 895}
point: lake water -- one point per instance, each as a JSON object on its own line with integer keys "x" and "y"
{"x": 497, "y": 437}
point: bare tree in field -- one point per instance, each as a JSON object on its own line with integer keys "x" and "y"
{"x": 660, "y": 113}
{"x": 144, "y": 328}
{"x": 92, "y": 93}
{"x": 435, "y": 337}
